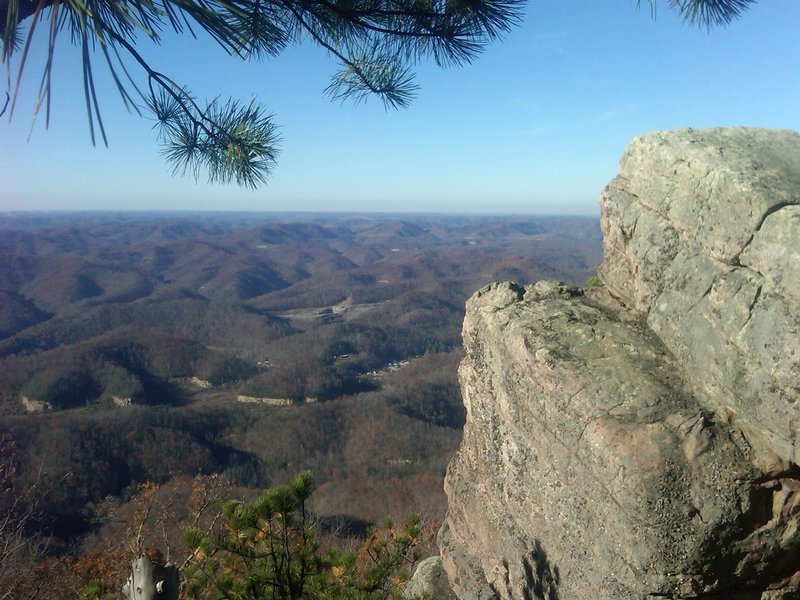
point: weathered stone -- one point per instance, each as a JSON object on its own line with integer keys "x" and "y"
{"x": 429, "y": 581}
{"x": 588, "y": 468}
{"x": 642, "y": 440}
{"x": 151, "y": 580}
{"x": 702, "y": 234}
{"x": 774, "y": 251}
{"x": 715, "y": 185}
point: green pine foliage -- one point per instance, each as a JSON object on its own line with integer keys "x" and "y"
{"x": 377, "y": 44}
{"x": 267, "y": 549}
{"x": 707, "y": 13}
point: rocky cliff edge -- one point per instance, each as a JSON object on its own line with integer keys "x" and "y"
{"x": 640, "y": 440}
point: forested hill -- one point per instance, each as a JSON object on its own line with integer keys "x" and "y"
{"x": 143, "y": 298}
{"x": 141, "y": 347}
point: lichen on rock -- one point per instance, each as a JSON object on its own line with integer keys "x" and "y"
{"x": 641, "y": 439}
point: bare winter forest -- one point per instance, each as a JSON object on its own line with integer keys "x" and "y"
{"x": 191, "y": 349}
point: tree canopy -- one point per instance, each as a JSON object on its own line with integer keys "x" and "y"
{"x": 377, "y": 43}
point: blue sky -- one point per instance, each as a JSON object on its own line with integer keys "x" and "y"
{"x": 535, "y": 125}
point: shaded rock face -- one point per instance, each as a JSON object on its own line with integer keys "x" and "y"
{"x": 641, "y": 440}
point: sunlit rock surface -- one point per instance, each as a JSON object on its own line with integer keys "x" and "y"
{"x": 641, "y": 440}
{"x": 702, "y": 234}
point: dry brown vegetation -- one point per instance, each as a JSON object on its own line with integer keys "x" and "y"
{"x": 183, "y": 315}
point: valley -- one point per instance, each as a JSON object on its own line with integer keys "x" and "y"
{"x": 161, "y": 347}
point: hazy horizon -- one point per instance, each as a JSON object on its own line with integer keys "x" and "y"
{"x": 535, "y": 125}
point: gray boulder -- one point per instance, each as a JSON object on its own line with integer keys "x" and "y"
{"x": 702, "y": 234}
{"x": 641, "y": 440}
{"x": 429, "y": 581}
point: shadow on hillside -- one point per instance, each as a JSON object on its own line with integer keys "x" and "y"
{"x": 158, "y": 391}
{"x": 344, "y": 526}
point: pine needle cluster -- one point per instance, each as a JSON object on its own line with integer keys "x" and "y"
{"x": 377, "y": 44}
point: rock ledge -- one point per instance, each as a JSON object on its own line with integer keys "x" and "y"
{"x": 641, "y": 440}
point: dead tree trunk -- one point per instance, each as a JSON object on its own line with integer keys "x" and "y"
{"x": 150, "y": 581}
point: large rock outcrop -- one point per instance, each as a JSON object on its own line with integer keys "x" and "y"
{"x": 641, "y": 440}
{"x": 702, "y": 234}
